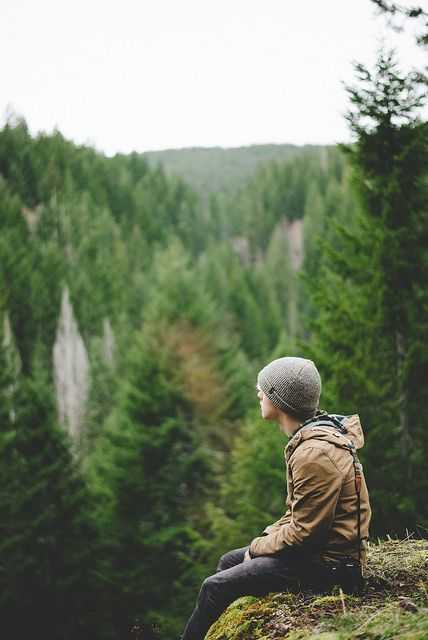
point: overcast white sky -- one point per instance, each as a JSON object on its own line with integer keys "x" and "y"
{"x": 156, "y": 74}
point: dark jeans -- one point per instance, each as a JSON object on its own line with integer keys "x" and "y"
{"x": 234, "y": 578}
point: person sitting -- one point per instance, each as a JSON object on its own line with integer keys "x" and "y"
{"x": 321, "y": 539}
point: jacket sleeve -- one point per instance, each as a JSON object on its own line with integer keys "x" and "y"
{"x": 317, "y": 483}
{"x": 276, "y": 525}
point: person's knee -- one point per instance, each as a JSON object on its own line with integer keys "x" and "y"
{"x": 209, "y": 589}
{"x": 209, "y": 585}
{"x": 230, "y": 559}
{"x": 222, "y": 563}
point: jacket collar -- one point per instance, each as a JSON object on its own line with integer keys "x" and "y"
{"x": 334, "y": 428}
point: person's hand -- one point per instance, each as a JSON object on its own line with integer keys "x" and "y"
{"x": 247, "y": 556}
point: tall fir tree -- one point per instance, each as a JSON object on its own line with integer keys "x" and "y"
{"x": 371, "y": 293}
{"x": 252, "y": 488}
{"x": 48, "y": 546}
{"x": 150, "y": 474}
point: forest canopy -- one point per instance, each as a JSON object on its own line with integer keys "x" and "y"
{"x": 137, "y": 306}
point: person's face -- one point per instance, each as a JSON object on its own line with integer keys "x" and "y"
{"x": 268, "y": 410}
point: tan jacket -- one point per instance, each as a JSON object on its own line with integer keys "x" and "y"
{"x": 321, "y": 499}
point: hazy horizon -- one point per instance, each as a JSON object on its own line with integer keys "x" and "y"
{"x": 161, "y": 76}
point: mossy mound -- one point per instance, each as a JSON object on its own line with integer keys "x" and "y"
{"x": 393, "y": 606}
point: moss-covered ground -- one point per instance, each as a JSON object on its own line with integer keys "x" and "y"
{"x": 393, "y": 606}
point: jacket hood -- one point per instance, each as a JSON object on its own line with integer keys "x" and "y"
{"x": 352, "y": 424}
{"x": 355, "y": 430}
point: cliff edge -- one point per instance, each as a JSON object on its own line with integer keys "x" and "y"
{"x": 394, "y": 605}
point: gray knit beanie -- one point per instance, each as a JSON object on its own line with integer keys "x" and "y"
{"x": 293, "y": 385}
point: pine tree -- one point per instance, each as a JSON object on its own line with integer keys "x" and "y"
{"x": 252, "y": 490}
{"x": 150, "y": 474}
{"x": 47, "y": 548}
{"x": 371, "y": 293}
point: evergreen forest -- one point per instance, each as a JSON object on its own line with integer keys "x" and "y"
{"x": 139, "y": 300}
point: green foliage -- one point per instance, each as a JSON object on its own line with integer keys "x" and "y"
{"x": 201, "y": 289}
{"x": 150, "y": 473}
{"x": 369, "y": 296}
{"x": 252, "y": 491}
{"x": 48, "y": 547}
{"x": 276, "y": 193}
{"x": 216, "y": 170}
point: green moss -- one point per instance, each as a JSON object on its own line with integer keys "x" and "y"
{"x": 243, "y": 619}
{"x": 234, "y": 620}
{"x": 327, "y": 601}
{"x": 320, "y": 636}
{"x": 393, "y": 607}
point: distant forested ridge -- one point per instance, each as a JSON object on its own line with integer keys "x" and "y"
{"x": 139, "y": 297}
{"x": 218, "y": 169}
